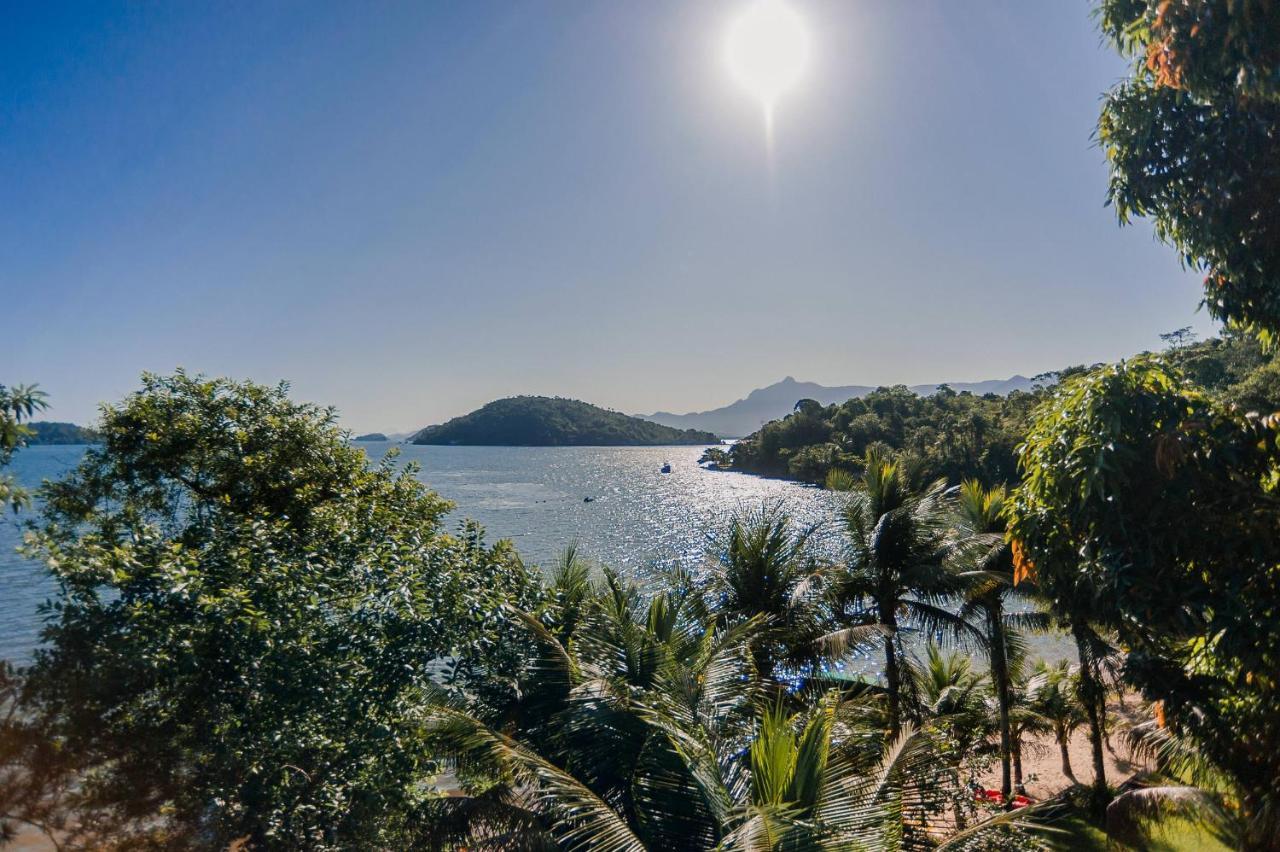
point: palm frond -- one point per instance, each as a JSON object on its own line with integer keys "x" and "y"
{"x": 1023, "y": 818}
{"x": 839, "y": 644}
{"x": 941, "y": 623}
{"x": 580, "y": 818}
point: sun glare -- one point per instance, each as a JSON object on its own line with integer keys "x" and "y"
{"x": 767, "y": 50}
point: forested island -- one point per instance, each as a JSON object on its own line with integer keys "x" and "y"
{"x": 50, "y": 432}
{"x": 372, "y": 436}
{"x": 544, "y": 421}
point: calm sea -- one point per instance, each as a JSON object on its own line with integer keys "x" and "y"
{"x": 637, "y": 517}
{"x": 535, "y": 496}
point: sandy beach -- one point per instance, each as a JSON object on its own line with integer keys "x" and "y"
{"x": 1042, "y": 761}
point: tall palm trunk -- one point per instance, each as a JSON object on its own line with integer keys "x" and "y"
{"x": 892, "y": 674}
{"x": 1093, "y": 698}
{"x": 1018, "y": 786}
{"x": 1064, "y": 741}
{"x": 1000, "y": 676}
{"x": 893, "y": 684}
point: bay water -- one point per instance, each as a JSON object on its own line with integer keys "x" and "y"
{"x": 614, "y": 503}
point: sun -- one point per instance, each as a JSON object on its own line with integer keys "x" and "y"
{"x": 767, "y": 50}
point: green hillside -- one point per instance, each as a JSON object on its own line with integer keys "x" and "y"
{"x": 543, "y": 421}
{"x": 48, "y": 432}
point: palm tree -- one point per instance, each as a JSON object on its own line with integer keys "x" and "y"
{"x": 1054, "y": 692}
{"x": 952, "y": 694}
{"x": 1023, "y": 720}
{"x": 897, "y": 572}
{"x": 666, "y": 737}
{"x": 760, "y": 568}
{"x": 1186, "y": 784}
{"x": 1098, "y": 667}
{"x": 813, "y": 780}
{"x": 992, "y": 586}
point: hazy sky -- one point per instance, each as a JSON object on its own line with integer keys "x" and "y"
{"x": 410, "y": 209}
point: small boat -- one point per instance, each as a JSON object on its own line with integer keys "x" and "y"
{"x": 666, "y": 468}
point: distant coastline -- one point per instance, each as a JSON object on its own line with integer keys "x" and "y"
{"x": 50, "y": 433}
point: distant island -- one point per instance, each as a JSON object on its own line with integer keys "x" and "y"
{"x": 543, "y": 421}
{"x": 776, "y": 401}
{"x": 372, "y": 436}
{"x": 46, "y": 432}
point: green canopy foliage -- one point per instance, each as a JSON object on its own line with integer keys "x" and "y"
{"x": 1193, "y": 139}
{"x": 1152, "y": 507}
{"x": 950, "y": 435}
{"x": 249, "y": 620}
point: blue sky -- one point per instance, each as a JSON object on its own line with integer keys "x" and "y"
{"x": 410, "y": 209}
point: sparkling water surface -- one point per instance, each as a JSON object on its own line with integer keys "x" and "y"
{"x": 535, "y": 496}
{"x": 637, "y": 517}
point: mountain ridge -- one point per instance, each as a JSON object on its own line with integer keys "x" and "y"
{"x": 771, "y": 402}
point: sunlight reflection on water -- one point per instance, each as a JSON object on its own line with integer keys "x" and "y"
{"x": 638, "y": 517}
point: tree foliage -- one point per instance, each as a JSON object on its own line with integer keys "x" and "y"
{"x": 898, "y": 574}
{"x": 249, "y": 621}
{"x": 17, "y": 405}
{"x": 1193, "y": 139}
{"x": 949, "y": 435}
{"x": 644, "y": 723}
{"x": 1153, "y": 507}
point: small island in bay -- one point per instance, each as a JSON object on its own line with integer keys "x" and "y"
{"x": 372, "y": 436}
{"x": 44, "y": 432}
{"x": 544, "y": 421}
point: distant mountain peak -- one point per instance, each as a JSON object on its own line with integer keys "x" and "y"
{"x": 778, "y": 400}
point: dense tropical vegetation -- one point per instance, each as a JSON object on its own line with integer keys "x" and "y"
{"x": 960, "y": 436}
{"x": 950, "y": 435}
{"x": 1148, "y": 502}
{"x": 261, "y": 641}
{"x": 544, "y": 421}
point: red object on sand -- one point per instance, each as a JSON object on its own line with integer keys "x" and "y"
{"x": 994, "y": 797}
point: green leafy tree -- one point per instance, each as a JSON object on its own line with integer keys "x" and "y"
{"x": 1193, "y": 139}
{"x": 1153, "y": 508}
{"x": 249, "y": 623}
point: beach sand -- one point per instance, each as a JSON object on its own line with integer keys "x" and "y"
{"x": 1042, "y": 761}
